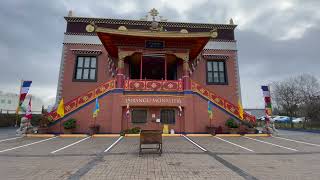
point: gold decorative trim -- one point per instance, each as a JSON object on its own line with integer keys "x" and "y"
{"x": 163, "y": 34}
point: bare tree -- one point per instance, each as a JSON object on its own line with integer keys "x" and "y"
{"x": 298, "y": 96}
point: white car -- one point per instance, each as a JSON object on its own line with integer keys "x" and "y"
{"x": 299, "y": 120}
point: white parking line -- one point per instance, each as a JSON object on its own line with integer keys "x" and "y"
{"x": 298, "y": 141}
{"x": 272, "y": 144}
{"x": 113, "y": 144}
{"x": 203, "y": 149}
{"x": 70, "y": 145}
{"x": 2, "y": 140}
{"x": 235, "y": 144}
{"x": 27, "y": 144}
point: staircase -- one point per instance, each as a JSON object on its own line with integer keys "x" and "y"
{"x": 84, "y": 99}
{"x": 108, "y": 87}
{"x": 220, "y": 102}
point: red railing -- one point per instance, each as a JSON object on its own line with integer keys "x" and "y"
{"x": 153, "y": 85}
{"x": 221, "y": 102}
{"x": 83, "y": 99}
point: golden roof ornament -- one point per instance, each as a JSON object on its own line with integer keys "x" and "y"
{"x": 153, "y": 16}
{"x": 231, "y": 22}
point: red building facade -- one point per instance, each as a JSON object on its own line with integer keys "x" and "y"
{"x": 159, "y": 72}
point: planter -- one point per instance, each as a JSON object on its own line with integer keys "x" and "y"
{"x": 233, "y": 130}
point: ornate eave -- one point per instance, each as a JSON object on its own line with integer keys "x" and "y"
{"x": 158, "y": 34}
{"x": 148, "y": 23}
{"x": 113, "y": 39}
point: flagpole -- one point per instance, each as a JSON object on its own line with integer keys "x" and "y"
{"x": 18, "y": 107}
{"x": 29, "y": 121}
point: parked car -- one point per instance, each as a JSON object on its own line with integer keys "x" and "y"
{"x": 281, "y": 119}
{"x": 298, "y": 120}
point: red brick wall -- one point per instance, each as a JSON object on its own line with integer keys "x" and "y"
{"x": 70, "y": 88}
{"x": 228, "y": 91}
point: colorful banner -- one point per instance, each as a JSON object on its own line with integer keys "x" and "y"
{"x": 24, "y": 89}
{"x": 96, "y": 109}
{"x": 240, "y": 109}
{"x": 210, "y": 112}
{"x": 267, "y": 100}
{"x": 60, "y": 109}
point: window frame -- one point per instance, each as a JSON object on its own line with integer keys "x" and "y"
{"x": 224, "y": 71}
{"x": 131, "y": 117}
{"x": 76, "y": 67}
{"x": 174, "y": 115}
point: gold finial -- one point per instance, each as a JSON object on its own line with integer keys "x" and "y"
{"x": 231, "y": 22}
{"x": 153, "y": 12}
{"x": 70, "y": 13}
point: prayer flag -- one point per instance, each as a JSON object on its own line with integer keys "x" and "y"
{"x": 60, "y": 109}
{"x": 24, "y": 89}
{"x": 96, "y": 109}
{"x": 240, "y": 110}
{"x": 210, "y": 112}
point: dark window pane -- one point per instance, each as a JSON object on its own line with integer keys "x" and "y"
{"x": 222, "y": 78}
{"x": 139, "y": 116}
{"x": 215, "y": 66}
{"x": 221, "y": 66}
{"x": 86, "y": 62}
{"x": 92, "y": 74}
{"x": 215, "y": 77}
{"x": 167, "y": 116}
{"x": 79, "y": 73}
{"x": 80, "y": 62}
{"x": 210, "y": 78}
{"x": 209, "y": 64}
{"x": 85, "y": 74}
{"x": 93, "y": 62}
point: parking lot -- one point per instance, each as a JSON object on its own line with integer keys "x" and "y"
{"x": 291, "y": 155}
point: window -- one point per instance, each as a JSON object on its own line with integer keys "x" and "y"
{"x": 86, "y": 68}
{"x": 167, "y": 116}
{"x": 216, "y": 72}
{"x": 2, "y": 101}
{"x": 139, "y": 116}
{"x": 9, "y": 101}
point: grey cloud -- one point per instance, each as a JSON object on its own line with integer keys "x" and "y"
{"x": 32, "y": 33}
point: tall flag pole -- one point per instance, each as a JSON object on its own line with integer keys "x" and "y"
{"x": 210, "y": 112}
{"x": 24, "y": 89}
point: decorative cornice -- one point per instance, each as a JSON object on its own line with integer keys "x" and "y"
{"x": 86, "y": 51}
{"x": 211, "y": 56}
{"x": 148, "y": 23}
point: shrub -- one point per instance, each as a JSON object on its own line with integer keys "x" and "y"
{"x": 231, "y": 123}
{"x": 70, "y": 124}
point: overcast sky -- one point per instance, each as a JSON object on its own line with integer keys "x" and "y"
{"x": 276, "y": 38}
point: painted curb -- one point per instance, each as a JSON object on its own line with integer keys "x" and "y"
{"x": 257, "y": 135}
{"x": 228, "y": 135}
{"x": 40, "y": 135}
{"x": 105, "y": 135}
{"x": 199, "y": 135}
{"x": 171, "y": 135}
{"x": 73, "y": 135}
{"x": 132, "y": 135}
